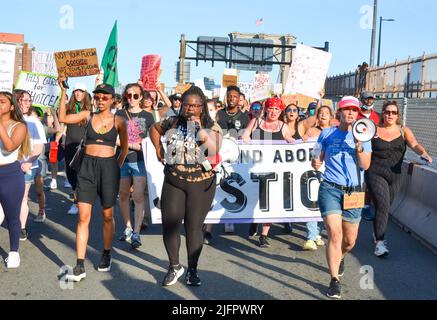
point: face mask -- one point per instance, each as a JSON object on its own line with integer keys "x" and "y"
{"x": 312, "y": 112}
{"x": 212, "y": 114}
{"x": 363, "y": 106}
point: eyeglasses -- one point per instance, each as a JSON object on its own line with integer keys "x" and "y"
{"x": 103, "y": 98}
{"x": 134, "y": 96}
{"x": 291, "y": 111}
{"x": 196, "y": 106}
{"x": 390, "y": 112}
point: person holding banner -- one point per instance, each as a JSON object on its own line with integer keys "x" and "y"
{"x": 14, "y": 144}
{"x": 383, "y": 178}
{"x": 340, "y": 194}
{"x": 31, "y": 166}
{"x": 99, "y": 172}
{"x": 189, "y": 183}
{"x": 271, "y": 128}
{"x": 133, "y": 171}
{"x": 79, "y": 102}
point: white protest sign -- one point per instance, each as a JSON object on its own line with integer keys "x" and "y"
{"x": 308, "y": 71}
{"x": 253, "y": 191}
{"x": 246, "y": 88}
{"x": 7, "y": 66}
{"x": 44, "y": 62}
{"x": 260, "y": 87}
{"x": 200, "y": 83}
{"x": 44, "y": 89}
{"x": 277, "y": 89}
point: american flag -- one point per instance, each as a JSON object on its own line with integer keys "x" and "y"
{"x": 259, "y": 22}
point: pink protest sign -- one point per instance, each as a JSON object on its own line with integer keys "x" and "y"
{"x": 150, "y": 71}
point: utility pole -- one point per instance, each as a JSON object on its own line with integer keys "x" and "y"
{"x": 372, "y": 45}
{"x": 182, "y": 60}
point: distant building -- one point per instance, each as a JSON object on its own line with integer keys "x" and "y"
{"x": 209, "y": 83}
{"x": 23, "y": 52}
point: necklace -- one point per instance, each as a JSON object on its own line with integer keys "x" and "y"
{"x": 231, "y": 114}
{"x": 103, "y": 127}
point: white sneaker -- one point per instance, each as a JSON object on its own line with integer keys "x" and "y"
{"x": 67, "y": 184}
{"x": 381, "y": 249}
{"x": 13, "y": 260}
{"x": 229, "y": 228}
{"x": 53, "y": 184}
{"x": 319, "y": 241}
{"x": 41, "y": 217}
{"x": 127, "y": 234}
{"x": 73, "y": 210}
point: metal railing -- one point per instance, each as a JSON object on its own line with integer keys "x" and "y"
{"x": 411, "y": 78}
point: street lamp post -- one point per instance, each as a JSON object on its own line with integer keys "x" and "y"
{"x": 379, "y": 40}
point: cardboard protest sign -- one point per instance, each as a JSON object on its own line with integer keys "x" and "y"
{"x": 230, "y": 78}
{"x": 150, "y": 71}
{"x": 7, "y": 66}
{"x": 308, "y": 71}
{"x": 328, "y": 102}
{"x": 44, "y": 63}
{"x": 288, "y": 99}
{"x": 44, "y": 89}
{"x": 303, "y": 101}
{"x": 182, "y": 87}
{"x": 77, "y": 63}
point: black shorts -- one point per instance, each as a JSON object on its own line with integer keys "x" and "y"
{"x": 98, "y": 177}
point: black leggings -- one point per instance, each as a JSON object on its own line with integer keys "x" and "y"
{"x": 70, "y": 150}
{"x": 188, "y": 201}
{"x": 383, "y": 185}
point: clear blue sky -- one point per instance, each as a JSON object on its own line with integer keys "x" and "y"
{"x": 146, "y": 27}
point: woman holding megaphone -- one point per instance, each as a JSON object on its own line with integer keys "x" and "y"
{"x": 384, "y": 175}
{"x": 340, "y": 190}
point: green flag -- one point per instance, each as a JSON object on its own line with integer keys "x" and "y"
{"x": 109, "y": 61}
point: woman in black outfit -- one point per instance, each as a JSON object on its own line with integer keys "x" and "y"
{"x": 99, "y": 172}
{"x": 189, "y": 188}
{"x": 383, "y": 178}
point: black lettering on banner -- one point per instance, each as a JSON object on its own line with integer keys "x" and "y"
{"x": 278, "y": 157}
{"x": 289, "y": 156}
{"x": 264, "y": 181}
{"x": 301, "y": 155}
{"x": 306, "y": 180}
{"x": 240, "y": 198}
{"x": 251, "y": 156}
{"x": 288, "y": 191}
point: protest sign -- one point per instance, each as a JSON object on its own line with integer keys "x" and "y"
{"x": 200, "y": 83}
{"x": 150, "y": 71}
{"x": 230, "y": 78}
{"x": 44, "y": 89}
{"x": 260, "y": 87}
{"x": 44, "y": 63}
{"x": 277, "y": 89}
{"x": 252, "y": 191}
{"x": 77, "y": 63}
{"x": 308, "y": 71}
{"x": 7, "y": 66}
{"x": 246, "y": 88}
{"x": 182, "y": 87}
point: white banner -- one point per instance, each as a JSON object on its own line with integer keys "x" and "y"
{"x": 7, "y": 66}
{"x": 308, "y": 71}
{"x": 44, "y": 62}
{"x": 44, "y": 89}
{"x": 252, "y": 191}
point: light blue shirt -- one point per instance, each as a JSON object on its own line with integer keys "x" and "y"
{"x": 340, "y": 156}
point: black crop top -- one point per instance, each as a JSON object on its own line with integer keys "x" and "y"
{"x": 106, "y": 139}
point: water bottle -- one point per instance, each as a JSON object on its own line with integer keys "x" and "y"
{"x": 317, "y": 150}
{"x": 53, "y": 154}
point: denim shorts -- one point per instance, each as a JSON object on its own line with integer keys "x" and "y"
{"x": 331, "y": 202}
{"x": 133, "y": 169}
{"x": 41, "y": 170}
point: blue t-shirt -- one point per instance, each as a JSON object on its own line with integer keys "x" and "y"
{"x": 340, "y": 156}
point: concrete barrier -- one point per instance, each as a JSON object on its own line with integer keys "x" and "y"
{"x": 415, "y": 207}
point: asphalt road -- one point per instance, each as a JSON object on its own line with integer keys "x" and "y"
{"x": 233, "y": 267}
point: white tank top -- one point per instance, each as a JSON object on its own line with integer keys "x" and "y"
{"x": 8, "y": 157}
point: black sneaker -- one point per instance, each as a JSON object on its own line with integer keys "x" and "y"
{"x": 334, "y": 290}
{"x": 23, "y": 235}
{"x": 191, "y": 277}
{"x": 105, "y": 263}
{"x": 172, "y": 276}
{"x": 207, "y": 237}
{"x": 77, "y": 275}
{"x": 135, "y": 241}
{"x": 263, "y": 243}
{"x": 287, "y": 227}
{"x": 253, "y": 230}
{"x": 341, "y": 268}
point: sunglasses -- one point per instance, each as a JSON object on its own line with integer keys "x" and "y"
{"x": 135, "y": 96}
{"x": 256, "y": 107}
{"x": 389, "y": 112}
{"x": 292, "y": 111}
{"x": 103, "y": 98}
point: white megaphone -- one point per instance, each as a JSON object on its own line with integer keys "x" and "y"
{"x": 229, "y": 151}
{"x": 364, "y": 130}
